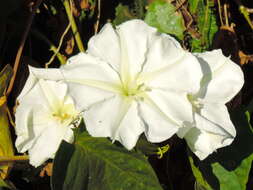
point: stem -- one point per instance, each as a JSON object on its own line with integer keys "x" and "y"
{"x": 98, "y": 17}
{"x": 245, "y": 13}
{"x": 13, "y": 158}
{"x": 226, "y": 14}
{"x": 203, "y": 40}
{"x": 50, "y": 44}
{"x": 21, "y": 46}
{"x": 73, "y": 26}
{"x": 220, "y": 15}
{"x": 59, "y": 46}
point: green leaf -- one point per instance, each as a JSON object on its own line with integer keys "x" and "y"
{"x": 6, "y": 185}
{"x": 198, "y": 175}
{"x": 206, "y": 22}
{"x": 97, "y": 164}
{"x": 146, "y": 147}
{"x": 165, "y": 18}
{"x": 193, "y": 5}
{"x": 6, "y": 147}
{"x": 228, "y": 168}
{"x": 5, "y": 77}
{"x": 3, "y": 184}
{"x": 122, "y": 14}
{"x": 139, "y": 8}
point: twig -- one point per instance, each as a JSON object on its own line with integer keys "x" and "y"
{"x": 249, "y": 10}
{"x": 245, "y": 12}
{"x": 180, "y": 4}
{"x": 52, "y": 47}
{"x": 4, "y": 159}
{"x": 21, "y": 46}
{"x": 220, "y": 13}
{"x": 60, "y": 43}
{"x": 205, "y": 22}
{"x": 226, "y": 14}
{"x": 59, "y": 47}
{"x": 73, "y": 26}
{"x": 98, "y": 17}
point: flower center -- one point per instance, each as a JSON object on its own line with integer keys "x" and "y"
{"x": 134, "y": 89}
{"x": 61, "y": 116}
{"x": 65, "y": 114}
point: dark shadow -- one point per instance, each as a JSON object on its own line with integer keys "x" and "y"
{"x": 64, "y": 155}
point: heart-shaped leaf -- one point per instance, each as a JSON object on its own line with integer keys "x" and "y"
{"x": 95, "y": 163}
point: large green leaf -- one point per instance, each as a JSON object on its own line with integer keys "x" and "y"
{"x": 6, "y": 147}
{"x": 228, "y": 168}
{"x": 165, "y": 18}
{"x": 206, "y": 23}
{"x": 97, "y": 164}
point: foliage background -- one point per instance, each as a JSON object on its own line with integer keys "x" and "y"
{"x": 195, "y": 23}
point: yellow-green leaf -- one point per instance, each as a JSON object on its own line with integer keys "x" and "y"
{"x": 5, "y": 77}
{"x": 6, "y": 147}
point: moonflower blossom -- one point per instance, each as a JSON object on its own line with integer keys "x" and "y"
{"x": 133, "y": 79}
{"x": 212, "y": 127}
{"x": 44, "y": 115}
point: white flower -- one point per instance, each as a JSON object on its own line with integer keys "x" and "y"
{"x": 133, "y": 80}
{"x": 212, "y": 127}
{"x": 44, "y": 116}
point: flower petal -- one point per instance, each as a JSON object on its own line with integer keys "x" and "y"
{"x": 90, "y": 80}
{"x": 174, "y": 104}
{"x": 181, "y": 72}
{"x": 105, "y": 45}
{"x": 135, "y": 36}
{"x": 34, "y": 113}
{"x": 31, "y": 104}
{"x": 122, "y": 123}
{"x": 217, "y": 114}
{"x": 162, "y": 49}
{"x": 46, "y": 145}
{"x": 158, "y": 126}
{"x": 203, "y": 143}
{"x": 207, "y": 136}
{"x": 219, "y": 72}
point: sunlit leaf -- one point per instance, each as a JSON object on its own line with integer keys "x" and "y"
{"x": 95, "y": 163}
{"x": 6, "y": 148}
{"x": 198, "y": 175}
{"x": 5, "y": 77}
{"x": 165, "y": 18}
{"x": 206, "y": 23}
{"x": 193, "y": 5}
